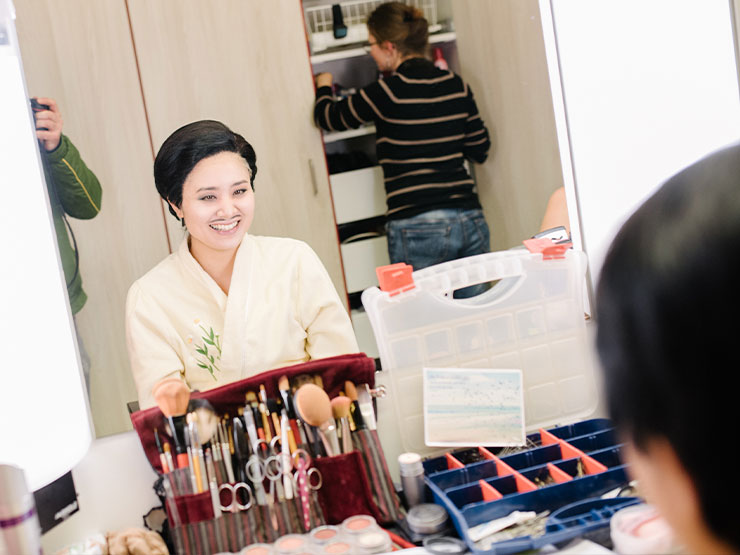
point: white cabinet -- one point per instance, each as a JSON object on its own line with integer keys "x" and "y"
{"x": 360, "y": 260}
{"x": 358, "y": 194}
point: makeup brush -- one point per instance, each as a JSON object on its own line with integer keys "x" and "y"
{"x": 168, "y": 456}
{"x": 300, "y": 380}
{"x": 172, "y": 397}
{"x": 162, "y": 458}
{"x": 251, "y": 398}
{"x": 226, "y": 452}
{"x": 314, "y": 407}
{"x": 274, "y": 411}
{"x": 340, "y": 409}
{"x": 355, "y": 413}
{"x": 294, "y": 434}
{"x": 205, "y": 417}
{"x": 196, "y": 453}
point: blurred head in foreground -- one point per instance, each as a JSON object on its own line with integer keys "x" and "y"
{"x": 667, "y": 310}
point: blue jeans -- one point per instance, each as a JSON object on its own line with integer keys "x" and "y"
{"x": 439, "y": 236}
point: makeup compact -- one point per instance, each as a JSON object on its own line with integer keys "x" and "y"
{"x": 324, "y": 534}
{"x": 338, "y": 547}
{"x": 426, "y": 519}
{"x": 257, "y": 549}
{"x": 444, "y": 545}
{"x": 290, "y": 544}
{"x": 375, "y": 541}
{"x": 359, "y": 524}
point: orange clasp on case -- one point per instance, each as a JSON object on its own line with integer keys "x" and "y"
{"x": 395, "y": 278}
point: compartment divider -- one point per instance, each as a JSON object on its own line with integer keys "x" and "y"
{"x": 486, "y": 454}
{"x": 590, "y": 465}
{"x": 452, "y": 462}
{"x": 558, "y": 475}
{"x": 489, "y": 492}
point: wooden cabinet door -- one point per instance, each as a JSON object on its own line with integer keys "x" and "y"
{"x": 79, "y": 53}
{"x": 245, "y": 63}
{"x": 502, "y": 57}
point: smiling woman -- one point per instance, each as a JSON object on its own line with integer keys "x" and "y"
{"x": 226, "y": 305}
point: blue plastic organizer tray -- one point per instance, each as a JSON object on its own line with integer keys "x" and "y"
{"x": 565, "y": 471}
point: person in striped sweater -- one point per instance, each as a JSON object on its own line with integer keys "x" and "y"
{"x": 427, "y": 125}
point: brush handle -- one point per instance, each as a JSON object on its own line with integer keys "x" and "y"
{"x": 347, "y": 446}
{"x": 328, "y": 432}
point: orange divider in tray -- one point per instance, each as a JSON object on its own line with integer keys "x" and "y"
{"x": 591, "y": 466}
{"x": 558, "y": 475}
{"x": 452, "y": 462}
{"x": 488, "y": 492}
{"x": 502, "y": 469}
{"x": 522, "y": 484}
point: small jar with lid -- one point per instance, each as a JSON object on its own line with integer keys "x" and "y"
{"x": 324, "y": 534}
{"x": 257, "y": 549}
{"x": 338, "y": 547}
{"x": 373, "y": 541}
{"x": 359, "y": 524}
{"x": 427, "y": 518}
{"x": 290, "y": 544}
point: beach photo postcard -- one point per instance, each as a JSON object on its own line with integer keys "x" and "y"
{"x": 473, "y": 406}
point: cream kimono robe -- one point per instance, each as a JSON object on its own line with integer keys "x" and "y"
{"x": 281, "y": 309}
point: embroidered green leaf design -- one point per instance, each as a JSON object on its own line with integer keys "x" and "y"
{"x": 209, "y": 337}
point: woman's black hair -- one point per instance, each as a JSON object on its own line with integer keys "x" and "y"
{"x": 667, "y": 313}
{"x": 190, "y": 144}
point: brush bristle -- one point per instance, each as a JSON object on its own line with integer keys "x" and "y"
{"x": 284, "y": 383}
{"x": 351, "y": 390}
{"x": 340, "y": 406}
{"x": 207, "y": 423}
{"x": 172, "y": 396}
{"x": 313, "y": 404}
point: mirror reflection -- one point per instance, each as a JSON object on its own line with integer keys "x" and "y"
{"x": 125, "y": 75}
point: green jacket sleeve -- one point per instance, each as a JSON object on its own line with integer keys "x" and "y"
{"x": 75, "y": 184}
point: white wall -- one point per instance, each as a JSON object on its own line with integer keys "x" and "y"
{"x": 649, "y": 86}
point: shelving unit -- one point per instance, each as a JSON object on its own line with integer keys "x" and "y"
{"x": 349, "y": 134}
{"x": 435, "y": 37}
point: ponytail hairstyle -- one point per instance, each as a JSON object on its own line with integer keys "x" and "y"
{"x": 404, "y": 26}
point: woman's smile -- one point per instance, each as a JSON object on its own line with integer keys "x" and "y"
{"x": 225, "y": 228}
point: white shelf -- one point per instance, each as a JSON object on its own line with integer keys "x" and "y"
{"x": 360, "y": 51}
{"x": 349, "y": 134}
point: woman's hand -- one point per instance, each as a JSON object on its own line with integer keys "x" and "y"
{"x": 323, "y": 80}
{"x": 49, "y": 124}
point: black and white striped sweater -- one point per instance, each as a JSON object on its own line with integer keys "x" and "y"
{"x": 427, "y": 124}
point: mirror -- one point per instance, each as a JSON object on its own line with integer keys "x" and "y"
{"x": 127, "y": 73}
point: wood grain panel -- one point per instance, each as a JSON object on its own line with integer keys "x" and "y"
{"x": 502, "y": 57}
{"x": 80, "y": 53}
{"x": 244, "y": 63}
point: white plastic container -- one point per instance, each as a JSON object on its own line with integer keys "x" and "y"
{"x": 532, "y": 319}
{"x": 640, "y": 529}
